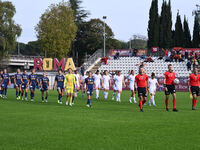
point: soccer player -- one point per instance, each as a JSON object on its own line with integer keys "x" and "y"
{"x": 106, "y": 84}
{"x": 83, "y": 85}
{"x": 170, "y": 87}
{"x": 25, "y": 83}
{"x": 153, "y": 82}
{"x": 142, "y": 81}
{"x": 18, "y": 83}
{"x": 119, "y": 82}
{"x": 69, "y": 84}
{"x": 90, "y": 84}
{"x": 193, "y": 83}
{"x": 1, "y": 79}
{"x": 97, "y": 80}
{"x": 114, "y": 86}
{"x": 59, "y": 81}
{"x": 33, "y": 81}
{"x": 5, "y": 82}
{"x": 77, "y": 83}
{"x": 131, "y": 80}
{"x": 44, "y": 84}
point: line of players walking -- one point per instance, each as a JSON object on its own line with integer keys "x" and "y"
{"x": 71, "y": 82}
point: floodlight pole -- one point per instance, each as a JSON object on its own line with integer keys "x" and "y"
{"x": 104, "y": 50}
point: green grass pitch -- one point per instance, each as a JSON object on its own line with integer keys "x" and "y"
{"x": 108, "y": 125}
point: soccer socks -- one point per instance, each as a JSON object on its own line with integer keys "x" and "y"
{"x": 153, "y": 101}
{"x": 70, "y": 100}
{"x": 166, "y": 103}
{"x": 174, "y": 103}
{"x": 105, "y": 95}
{"x": 32, "y": 95}
{"x": 114, "y": 94}
{"x": 73, "y": 99}
{"x": 140, "y": 104}
{"x": 89, "y": 102}
{"x": 26, "y": 94}
{"x": 130, "y": 99}
{"x": 19, "y": 93}
{"x": 194, "y": 102}
{"x": 118, "y": 97}
{"x": 42, "y": 98}
{"x": 16, "y": 94}
{"x": 97, "y": 94}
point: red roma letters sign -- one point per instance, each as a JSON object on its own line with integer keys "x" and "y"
{"x": 49, "y": 64}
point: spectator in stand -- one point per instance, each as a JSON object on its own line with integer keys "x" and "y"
{"x": 117, "y": 55}
{"x": 186, "y": 55}
{"x": 130, "y": 53}
{"x": 179, "y": 57}
{"x": 166, "y": 53}
{"x": 169, "y": 54}
{"x": 175, "y": 57}
{"x": 135, "y": 52}
{"x": 194, "y": 63}
{"x": 104, "y": 60}
{"x": 149, "y": 59}
{"x": 189, "y": 65}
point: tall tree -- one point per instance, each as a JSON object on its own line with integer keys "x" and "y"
{"x": 9, "y": 30}
{"x": 153, "y": 26}
{"x": 187, "y": 36}
{"x": 80, "y": 15}
{"x": 165, "y": 33}
{"x": 178, "y": 35}
{"x": 196, "y": 33}
{"x": 162, "y": 25}
{"x": 168, "y": 32}
{"x": 57, "y": 30}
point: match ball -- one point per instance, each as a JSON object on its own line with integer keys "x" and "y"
{"x": 176, "y": 81}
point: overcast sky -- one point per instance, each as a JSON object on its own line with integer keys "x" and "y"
{"x": 125, "y": 17}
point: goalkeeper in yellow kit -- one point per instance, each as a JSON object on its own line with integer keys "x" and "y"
{"x": 69, "y": 84}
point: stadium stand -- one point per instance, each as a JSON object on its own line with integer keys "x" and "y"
{"x": 125, "y": 64}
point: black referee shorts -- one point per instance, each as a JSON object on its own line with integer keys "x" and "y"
{"x": 194, "y": 90}
{"x": 142, "y": 92}
{"x": 170, "y": 89}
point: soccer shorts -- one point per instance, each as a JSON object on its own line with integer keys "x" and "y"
{"x": 90, "y": 92}
{"x": 119, "y": 87}
{"x": 70, "y": 89}
{"x": 44, "y": 89}
{"x": 98, "y": 85}
{"x": 142, "y": 92}
{"x": 32, "y": 87}
{"x": 114, "y": 87}
{"x": 60, "y": 88}
{"x": 152, "y": 90}
{"x": 195, "y": 90}
{"x": 4, "y": 86}
{"x": 106, "y": 86}
{"x": 18, "y": 85}
{"x": 171, "y": 89}
{"x": 132, "y": 87}
{"x": 24, "y": 86}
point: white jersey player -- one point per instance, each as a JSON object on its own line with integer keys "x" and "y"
{"x": 131, "y": 80}
{"x": 119, "y": 83}
{"x": 83, "y": 85}
{"x": 97, "y": 80}
{"x": 114, "y": 86}
{"x": 106, "y": 84}
{"x": 78, "y": 81}
{"x": 153, "y": 83}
